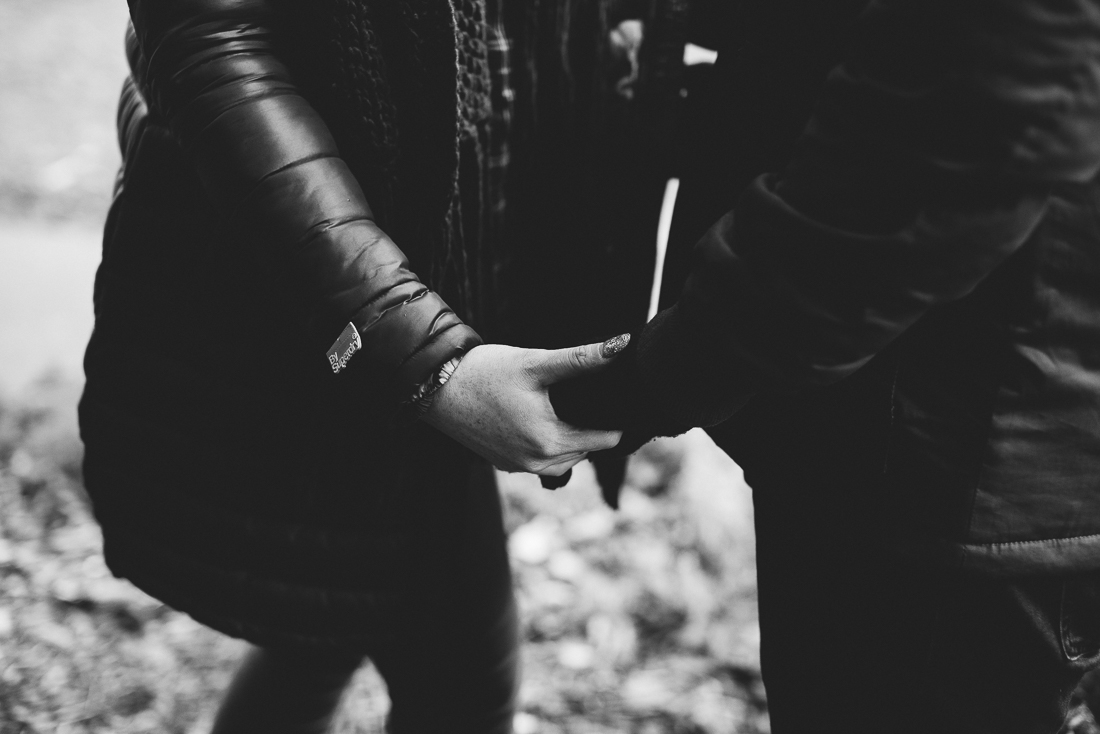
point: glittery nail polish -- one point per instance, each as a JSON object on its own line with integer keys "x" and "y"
{"x": 614, "y": 345}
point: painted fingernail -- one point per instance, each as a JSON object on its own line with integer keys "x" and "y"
{"x": 614, "y": 345}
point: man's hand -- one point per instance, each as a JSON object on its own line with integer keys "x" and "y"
{"x": 496, "y": 404}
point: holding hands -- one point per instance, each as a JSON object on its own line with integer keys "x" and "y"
{"x": 497, "y": 404}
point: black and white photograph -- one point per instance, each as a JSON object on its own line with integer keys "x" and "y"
{"x": 549, "y": 366}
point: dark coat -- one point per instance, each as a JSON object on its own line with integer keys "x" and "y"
{"x": 930, "y": 229}
{"x": 235, "y": 475}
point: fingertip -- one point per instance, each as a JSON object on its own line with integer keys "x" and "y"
{"x": 605, "y": 440}
{"x": 614, "y": 345}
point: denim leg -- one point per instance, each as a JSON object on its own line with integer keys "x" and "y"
{"x": 285, "y": 692}
{"x": 452, "y": 664}
{"x": 449, "y": 656}
{"x": 855, "y": 639}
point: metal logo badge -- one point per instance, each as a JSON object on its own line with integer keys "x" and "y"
{"x": 347, "y": 344}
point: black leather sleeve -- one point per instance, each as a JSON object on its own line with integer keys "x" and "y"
{"x": 211, "y": 71}
{"x": 927, "y": 162}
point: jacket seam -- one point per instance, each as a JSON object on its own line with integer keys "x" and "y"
{"x": 983, "y": 462}
{"x": 236, "y": 104}
{"x": 385, "y": 312}
{"x": 1041, "y": 541}
{"x": 293, "y": 164}
{"x": 180, "y": 32}
{"x": 427, "y": 343}
{"x": 281, "y": 169}
{"x": 329, "y": 225}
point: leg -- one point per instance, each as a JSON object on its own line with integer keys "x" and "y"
{"x": 864, "y": 645}
{"x": 449, "y": 657}
{"x": 856, "y": 639}
{"x": 822, "y": 595}
{"x": 451, "y": 664}
{"x": 284, "y": 692}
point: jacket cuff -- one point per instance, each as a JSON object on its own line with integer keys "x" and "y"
{"x": 391, "y": 360}
{"x": 614, "y": 398}
{"x": 424, "y": 364}
{"x": 662, "y": 384}
{"x": 681, "y": 379}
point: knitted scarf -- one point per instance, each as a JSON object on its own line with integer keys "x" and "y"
{"x": 415, "y": 132}
{"x": 383, "y": 75}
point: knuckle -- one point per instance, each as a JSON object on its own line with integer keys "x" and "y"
{"x": 530, "y": 444}
{"x": 544, "y": 449}
{"x": 578, "y": 357}
{"x": 556, "y": 448}
{"x": 529, "y": 364}
{"x": 534, "y": 466}
{"x": 544, "y": 453}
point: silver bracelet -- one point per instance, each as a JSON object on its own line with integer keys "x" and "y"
{"x": 417, "y": 405}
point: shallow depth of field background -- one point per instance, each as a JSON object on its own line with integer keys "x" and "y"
{"x": 638, "y": 621}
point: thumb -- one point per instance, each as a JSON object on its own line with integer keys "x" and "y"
{"x": 561, "y": 364}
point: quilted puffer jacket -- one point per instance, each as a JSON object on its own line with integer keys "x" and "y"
{"x": 931, "y": 227}
{"x": 236, "y": 474}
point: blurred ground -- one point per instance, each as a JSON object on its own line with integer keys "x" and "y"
{"x": 636, "y": 621}
{"x": 642, "y": 620}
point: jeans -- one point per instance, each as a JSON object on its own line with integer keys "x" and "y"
{"x": 450, "y": 669}
{"x": 854, "y": 638}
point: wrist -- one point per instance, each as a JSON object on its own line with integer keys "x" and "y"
{"x": 420, "y": 402}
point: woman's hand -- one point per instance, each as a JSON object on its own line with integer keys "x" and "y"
{"x": 496, "y": 404}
